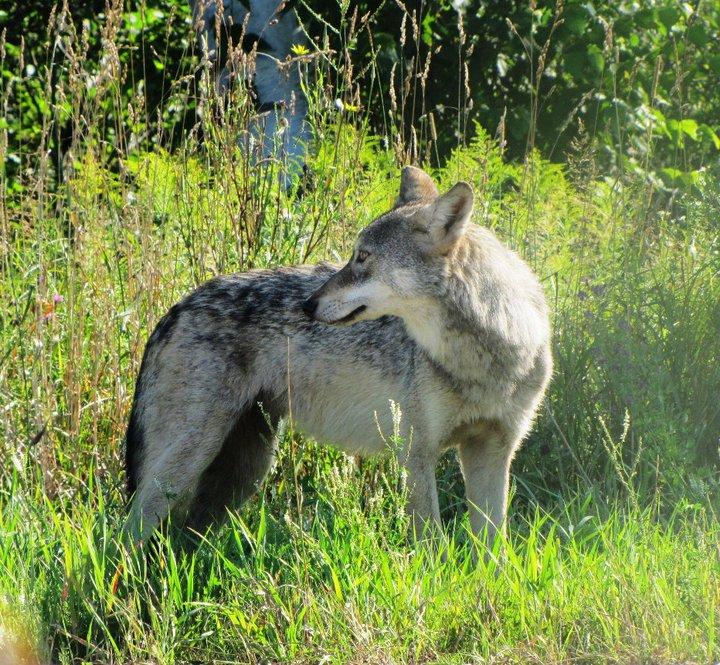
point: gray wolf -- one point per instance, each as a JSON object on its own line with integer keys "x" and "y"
{"x": 431, "y": 311}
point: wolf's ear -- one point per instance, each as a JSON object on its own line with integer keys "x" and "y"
{"x": 449, "y": 217}
{"x": 416, "y": 186}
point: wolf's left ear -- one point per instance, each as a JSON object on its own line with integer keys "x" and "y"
{"x": 416, "y": 186}
{"x": 449, "y": 217}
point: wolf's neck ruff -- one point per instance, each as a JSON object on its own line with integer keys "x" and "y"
{"x": 477, "y": 334}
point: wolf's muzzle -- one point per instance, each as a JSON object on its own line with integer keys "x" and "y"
{"x": 349, "y": 317}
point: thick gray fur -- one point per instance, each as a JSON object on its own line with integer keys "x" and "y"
{"x": 432, "y": 312}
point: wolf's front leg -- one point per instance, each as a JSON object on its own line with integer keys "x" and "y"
{"x": 423, "y": 505}
{"x": 485, "y": 462}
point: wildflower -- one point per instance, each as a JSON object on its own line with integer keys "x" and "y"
{"x": 299, "y": 49}
{"x": 49, "y": 307}
{"x": 339, "y": 105}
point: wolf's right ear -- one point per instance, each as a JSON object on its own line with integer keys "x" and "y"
{"x": 449, "y": 217}
{"x": 416, "y": 186}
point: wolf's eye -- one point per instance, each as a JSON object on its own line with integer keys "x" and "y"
{"x": 361, "y": 256}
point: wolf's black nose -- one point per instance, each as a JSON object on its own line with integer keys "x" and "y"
{"x": 309, "y": 306}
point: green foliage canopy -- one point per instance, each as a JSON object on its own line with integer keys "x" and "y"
{"x": 636, "y": 82}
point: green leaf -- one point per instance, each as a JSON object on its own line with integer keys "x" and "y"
{"x": 668, "y": 16}
{"x": 676, "y": 177}
{"x": 645, "y": 18}
{"x": 690, "y": 128}
{"x": 575, "y": 19}
{"x": 427, "y": 28}
{"x": 696, "y": 34}
{"x": 709, "y": 132}
{"x": 574, "y": 63}
{"x": 595, "y": 56}
{"x": 672, "y": 128}
{"x": 714, "y": 62}
{"x": 671, "y": 173}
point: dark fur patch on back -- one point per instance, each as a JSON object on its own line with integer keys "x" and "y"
{"x": 165, "y": 327}
{"x": 250, "y": 41}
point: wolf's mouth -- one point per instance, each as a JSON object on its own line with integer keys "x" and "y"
{"x": 349, "y": 317}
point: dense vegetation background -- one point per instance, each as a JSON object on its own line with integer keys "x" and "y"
{"x": 589, "y": 132}
{"x": 638, "y": 80}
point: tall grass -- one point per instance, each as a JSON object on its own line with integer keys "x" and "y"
{"x": 612, "y": 553}
{"x": 338, "y": 583}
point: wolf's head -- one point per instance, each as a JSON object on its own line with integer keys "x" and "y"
{"x": 400, "y": 259}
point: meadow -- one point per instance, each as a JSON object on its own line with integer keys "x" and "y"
{"x": 613, "y": 546}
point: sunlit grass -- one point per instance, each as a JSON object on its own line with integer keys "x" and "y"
{"x": 340, "y": 582}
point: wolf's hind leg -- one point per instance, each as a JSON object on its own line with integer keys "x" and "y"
{"x": 179, "y": 449}
{"x": 247, "y": 454}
